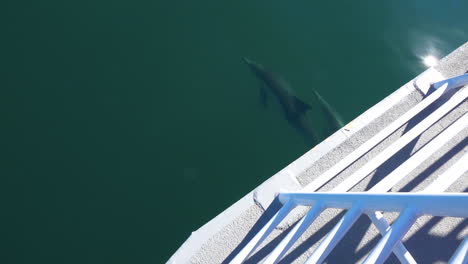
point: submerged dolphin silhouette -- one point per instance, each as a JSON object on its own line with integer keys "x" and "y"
{"x": 331, "y": 115}
{"x": 293, "y": 108}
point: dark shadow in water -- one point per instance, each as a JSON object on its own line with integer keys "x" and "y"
{"x": 295, "y": 110}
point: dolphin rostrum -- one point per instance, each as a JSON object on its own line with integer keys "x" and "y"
{"x": 293, "y": 108}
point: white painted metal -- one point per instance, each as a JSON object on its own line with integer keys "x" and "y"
{"x": 437, "y": 204}
{"x": 335, "y": 235}
{"x": 341, "y": 228}
{"x": 402, "y": 141}
{"x": 372, "y": 202}
{"x": 394, "y": 234}
{"x": 338, "y": 232}
{"x": 404, "y": 222}
{"x": 409, "y": 215}
{"x": 400, "y": 251}
{"x": 461, "y": 255}
{"x": 294, "y": 234}
{"x": 454, "y": 82}
{"x": 371, "y": 143}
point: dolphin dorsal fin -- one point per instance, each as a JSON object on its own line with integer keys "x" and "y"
{"x": 301, "y": 106}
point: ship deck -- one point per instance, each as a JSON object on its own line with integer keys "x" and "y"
{"x": 432, "y": 239}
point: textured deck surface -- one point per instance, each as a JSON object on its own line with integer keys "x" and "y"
{"x": 430, "y": 240}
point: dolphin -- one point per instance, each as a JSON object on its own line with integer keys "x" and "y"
{"x": 293, "y": 108}
{"x": 331, "y": 115}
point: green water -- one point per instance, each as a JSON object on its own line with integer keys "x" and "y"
{"x": 128, "y": 124}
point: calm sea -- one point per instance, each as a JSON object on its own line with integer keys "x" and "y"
{"x": 126, "y": 125}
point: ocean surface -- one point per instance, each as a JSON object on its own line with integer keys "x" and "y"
{"x": 126, "y": 125}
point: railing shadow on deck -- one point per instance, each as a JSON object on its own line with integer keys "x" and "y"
{"x": 349, "y": 252}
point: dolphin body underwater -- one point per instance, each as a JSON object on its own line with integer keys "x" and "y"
{"x": 295, "y": 110}
{"x": 334, "y": 120}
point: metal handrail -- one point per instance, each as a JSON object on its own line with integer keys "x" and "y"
{"x": 376, "y": 199}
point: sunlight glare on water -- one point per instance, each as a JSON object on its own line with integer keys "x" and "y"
{"x": 430, "y": 60}
{"x": 429, "y": 50}
{"x": 129, "y": 124}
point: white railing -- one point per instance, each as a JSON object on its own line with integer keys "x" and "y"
{"x": 431, "y": 201}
